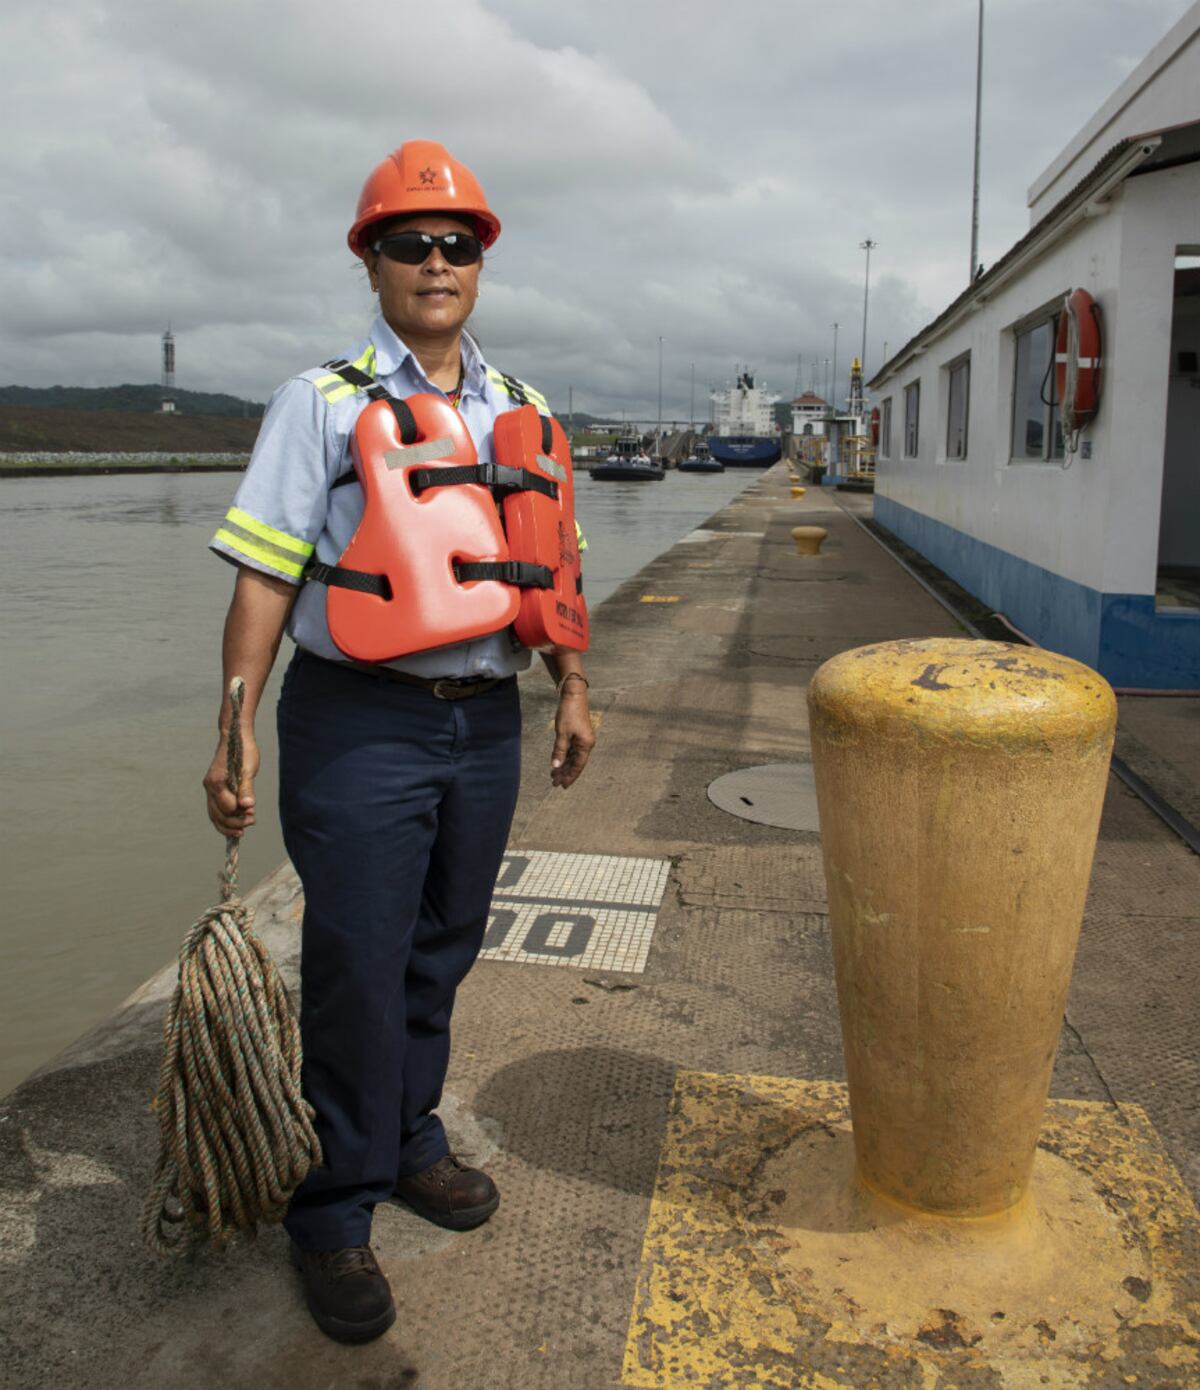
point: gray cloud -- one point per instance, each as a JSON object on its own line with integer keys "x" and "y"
{"x": 702, "y": 173}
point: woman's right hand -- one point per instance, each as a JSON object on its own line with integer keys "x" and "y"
{"x": 231, "y": 814}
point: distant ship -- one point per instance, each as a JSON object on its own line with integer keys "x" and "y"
{"x": 700, "y": 460}
{"x": 627, "y": 463}
{"x": 744, "y": 428}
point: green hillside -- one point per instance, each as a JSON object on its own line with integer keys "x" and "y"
{"x": 140, "y": 399}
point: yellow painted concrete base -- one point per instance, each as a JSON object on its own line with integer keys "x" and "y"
{"x": 766, "y": 1264}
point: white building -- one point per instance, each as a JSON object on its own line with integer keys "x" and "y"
{"x": 808, "y": 414}
{"x": 1093, "y": 552}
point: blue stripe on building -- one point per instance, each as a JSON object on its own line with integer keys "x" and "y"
{"x": 1122, "y": 636}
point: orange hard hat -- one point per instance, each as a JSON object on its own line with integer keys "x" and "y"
{"x": 422, "y": 176}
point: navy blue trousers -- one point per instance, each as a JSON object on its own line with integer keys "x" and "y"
{"x": 396, "y": 808}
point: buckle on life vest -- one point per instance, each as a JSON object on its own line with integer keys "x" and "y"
{"x": 497, "y": 476}
{"x": 519, "y": 572}
{"x": 501, "y": 478}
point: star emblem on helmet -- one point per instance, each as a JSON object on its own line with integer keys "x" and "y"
{"x": 428, "y": 175}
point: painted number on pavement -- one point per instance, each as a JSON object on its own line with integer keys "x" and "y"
{"x": 594, "y": 911}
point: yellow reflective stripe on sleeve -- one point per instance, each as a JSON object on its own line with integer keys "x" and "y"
{"x": 536, "y": 398}
{"x": 271, "y": 558}
{"x": 333, "y": 388}
{"x": 366, "y": 363}
{"x": 580, "y": 538}
{"x": 268, "y": 533}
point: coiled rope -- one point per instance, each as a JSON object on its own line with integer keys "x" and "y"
{"x": 236, "y": 1136}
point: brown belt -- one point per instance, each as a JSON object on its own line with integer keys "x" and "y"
{"x": 442, "y": 688}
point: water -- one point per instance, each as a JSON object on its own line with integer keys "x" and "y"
{"x": 111, "y": 631}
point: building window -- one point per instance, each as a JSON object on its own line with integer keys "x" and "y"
{"x": 912, "y": 410}
{"x": 885, "y": 429}
{"x": 1037, "y": 425}
{"x": 959, "y": 393}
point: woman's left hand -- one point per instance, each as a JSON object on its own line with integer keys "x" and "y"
{"x": 574, "y": 736}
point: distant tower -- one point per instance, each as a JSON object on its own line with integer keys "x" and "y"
{"x": 168, "y": 372}
{"x": 856, "y": 388}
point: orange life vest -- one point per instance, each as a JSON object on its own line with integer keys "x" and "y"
{"x": 541, "y": 529}
{"x": 430, "y": 563}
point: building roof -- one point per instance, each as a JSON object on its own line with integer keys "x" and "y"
{"x": 1138, "y": 154}
{"x": 1108, "y": 117}
{"x": 809, "y": 399}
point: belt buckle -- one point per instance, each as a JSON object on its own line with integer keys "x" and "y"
{"x": 448, "y": 689}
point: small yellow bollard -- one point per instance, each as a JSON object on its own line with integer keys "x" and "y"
{"x": 808, "y": 539}
{"x": 799, "y": 491}
{"x": 960, "y": 785}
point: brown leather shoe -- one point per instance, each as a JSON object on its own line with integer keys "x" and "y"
{"x": 450, "y": 1194}
{"x": 346, "y": 1291}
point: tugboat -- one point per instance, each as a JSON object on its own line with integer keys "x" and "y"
{"x": 627, "y": 463}
{"x": 700, "y": 460}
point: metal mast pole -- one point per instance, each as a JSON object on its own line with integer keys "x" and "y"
{"x": 868, "y": 246}
{"x": 658, "y": 437}
{"x": 833, "y": 379}
{"x": 975, "y": 183}
{"x": 692, "y": 417}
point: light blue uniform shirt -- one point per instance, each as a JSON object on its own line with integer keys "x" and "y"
{"x": 284, "y": 508}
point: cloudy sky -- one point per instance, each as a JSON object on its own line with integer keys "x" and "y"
{"x": 701, "y": 172}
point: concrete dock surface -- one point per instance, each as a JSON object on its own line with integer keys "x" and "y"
{"x": 652, "y": 959}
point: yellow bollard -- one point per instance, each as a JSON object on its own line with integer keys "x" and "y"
{"x": 808, "y": 539}
{"x": 798, "y": 491}
{"x": 960, "y": 785}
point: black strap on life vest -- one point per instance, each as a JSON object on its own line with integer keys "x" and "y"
{"x": 520, "y": 572}
{"x": 339, "y": 577}
{"x": 355, "y": 376}
{"x": 500, "y": 478}
{"x": 514, "y": 388}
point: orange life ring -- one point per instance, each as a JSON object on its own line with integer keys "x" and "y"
{"x": 875, "y": 426}
{"x": 1077, "y": 360}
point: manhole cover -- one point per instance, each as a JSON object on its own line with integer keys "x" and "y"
{"x": 779, "y": 794}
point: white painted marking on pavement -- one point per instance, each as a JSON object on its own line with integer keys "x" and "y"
{"x": 591, "y": 911}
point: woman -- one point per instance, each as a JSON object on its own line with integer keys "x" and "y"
{"x": 398, "y": 780}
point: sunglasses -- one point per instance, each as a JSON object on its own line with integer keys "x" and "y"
{"x": 415, "y": 248}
